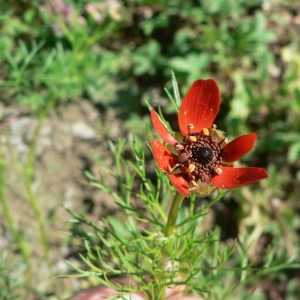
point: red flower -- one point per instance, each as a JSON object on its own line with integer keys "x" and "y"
{"x": 203, "y": 160}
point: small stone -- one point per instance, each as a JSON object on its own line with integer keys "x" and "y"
{"x": 83, "y": 131}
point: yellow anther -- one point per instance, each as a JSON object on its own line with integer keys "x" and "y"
{"x": 190, "y": 127}
{"x": 194, "y": 184}
{"x": 224, "y": 142}
{"x": 205, "y": 131}
{"x": 218, "y": 171}
{"x": 192, "y": 139}
{"x": 191, "y": 168}
{"x": 179, "y": 147}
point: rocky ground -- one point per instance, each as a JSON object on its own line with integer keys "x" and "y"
{"x": 63, "y": 150}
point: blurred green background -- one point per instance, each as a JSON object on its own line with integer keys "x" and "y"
{"x": 57, "y": 57}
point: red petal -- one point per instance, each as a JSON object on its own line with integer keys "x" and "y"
{"x": 180, "y": 184}
{"x": 200, "y": 106}
{"x": 233, "y": 177}
{"x": 239, "y": 147}
{"x": 162, "y": 156}
{"x": 161, "y": 129}
{"x": 165, "y": 158}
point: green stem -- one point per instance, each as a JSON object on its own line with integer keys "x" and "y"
{"x": 169, "y": 230}
{"x": 28, "y": 170}
{"x": 172, "y": 217}
{"x": 7, "y": 212}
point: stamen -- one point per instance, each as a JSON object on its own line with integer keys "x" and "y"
{"x": 179, "y": 147}
{"x": 218, "y": 171}
{"x": 223, "y": 143}
{"x": 205, "y": 131}
{"x": 190, "y": 127}
{"x": 182, "y": 157}
{"x": 191, "y": 168}
{"x": 191, "y": 177}
{"x": 192, "y": 139}
{"x": 171, "y": 169}
{"x": 194, "y": 183}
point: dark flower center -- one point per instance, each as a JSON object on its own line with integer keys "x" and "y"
{"x": 200, "y": 156}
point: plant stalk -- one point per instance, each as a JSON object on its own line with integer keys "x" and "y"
{"x": 8, "y": 215}
{"x": 169, "y": 230}
{"x": 28, "y": 170}
{"x": 172, "y": 217}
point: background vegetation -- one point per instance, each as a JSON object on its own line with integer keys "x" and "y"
{"x": 117, "y": 54}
